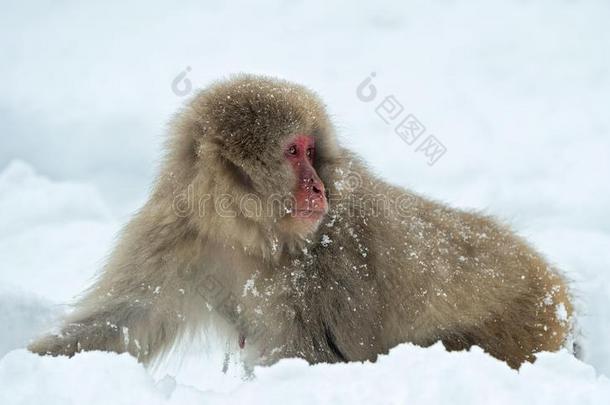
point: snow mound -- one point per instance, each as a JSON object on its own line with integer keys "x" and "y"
{"x": 31, "y": 198}
{"x": 409, "y": 374}
{"x": 54, "y": 236}
{"x": 26, "y": 314}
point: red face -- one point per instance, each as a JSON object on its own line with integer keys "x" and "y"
{"x": 311, "y": 203}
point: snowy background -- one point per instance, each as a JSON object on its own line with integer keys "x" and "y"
{"x": 518, "y": 92}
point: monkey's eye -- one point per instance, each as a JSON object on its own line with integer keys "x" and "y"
{"x": 310, "y": 153}
{"x": 292, "y": 150}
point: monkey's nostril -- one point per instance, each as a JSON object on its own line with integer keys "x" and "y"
{"x": 316, "y": 189}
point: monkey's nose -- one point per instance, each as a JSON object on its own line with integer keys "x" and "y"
{"x": 315, "y": 185}
{"x": 311, "y": 183}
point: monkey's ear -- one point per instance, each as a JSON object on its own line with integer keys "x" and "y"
{"x": 238, "y": 175}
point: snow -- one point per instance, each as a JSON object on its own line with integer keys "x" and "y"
{"x": 517, "y": 92}
{"x": 409, "y": 374}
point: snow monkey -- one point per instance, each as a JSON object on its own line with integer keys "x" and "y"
{"x": 262, "y": 225}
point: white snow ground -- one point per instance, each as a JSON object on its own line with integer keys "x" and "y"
{"x": 518, "y": 92}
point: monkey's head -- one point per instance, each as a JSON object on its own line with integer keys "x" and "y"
{"x": 260, "y": 149}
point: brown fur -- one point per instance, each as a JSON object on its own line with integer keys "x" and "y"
{"x": 386, "y": 266}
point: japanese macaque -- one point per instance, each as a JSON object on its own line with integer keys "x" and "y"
{"x": 261, "y": 225}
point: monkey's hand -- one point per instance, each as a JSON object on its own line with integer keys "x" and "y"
{"x": 75, "y": 338}
{"x": 55, "y": 345}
